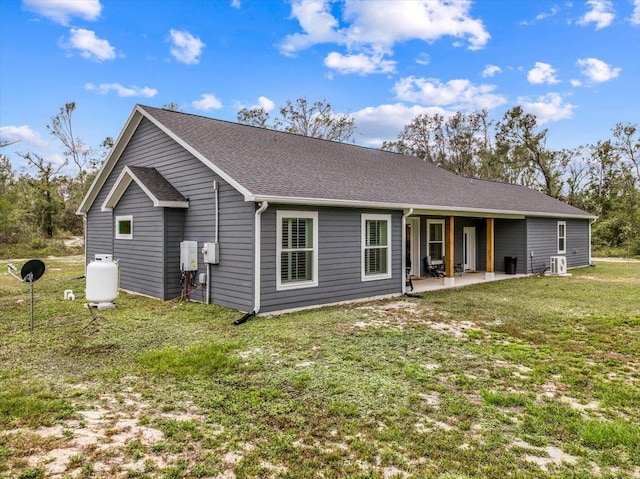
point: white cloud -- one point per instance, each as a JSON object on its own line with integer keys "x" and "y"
{"x": 542, "y": 16}
{"x": 635, "y": 16}
{"x": 360, "y": 63}
{"x": 383, "y": 123}
{"x": 491, "y": 70}
{"x": 601, "y": 14}
{"x": 207, "y": 101}
{"x": 235, "y": 3}
{"x": 317, "y": 22}
{"x": 542, "y": 73}
{"x": 374, "y": 27}
{"x": 425, "y": 59}
{"x": 56, "y": 159}
{"x": 90, "y": 46}
{"x": 459, "y": 94}
{"x": 265, "y": 103}
{"x": 61, "y": 11}
{"x": 597, "y": 70}
{"x": 21, "y": 134}
{"x": 576, "y": 83}
{"x": 547, "y": 108}
{"x": 122, "y": 91}
{"x": 186, "y": 48}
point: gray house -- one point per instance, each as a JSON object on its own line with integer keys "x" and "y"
{"x": 271, "y": 221}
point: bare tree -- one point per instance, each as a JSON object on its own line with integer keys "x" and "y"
{"x": 80, "y": 154}
{"x": 526, "y": 150}
{"x": 628, "y": 144}
{"x": 303, "y": 118}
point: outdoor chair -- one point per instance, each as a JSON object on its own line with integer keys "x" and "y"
{"x": 433, "y": 270}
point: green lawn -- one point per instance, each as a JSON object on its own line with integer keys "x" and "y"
{"x": 536, "y": 377}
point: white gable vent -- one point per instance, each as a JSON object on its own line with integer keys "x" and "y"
{"x": 558, "y": 265}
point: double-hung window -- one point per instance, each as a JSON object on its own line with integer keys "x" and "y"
{"x": 435, "y": 240}
{"x": 376, "y": 247}
{"x": 297, "y": 249}
{"x": 562, "y": 237}
{"x": 124, "y": 227}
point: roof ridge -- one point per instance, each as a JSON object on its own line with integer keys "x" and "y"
{"x": 297, "y": 135}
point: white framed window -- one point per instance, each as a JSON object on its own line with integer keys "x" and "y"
{"x": 296, "y": 249}
{"x": 435, "y": 240}
{"x": 124, "y": 227}
{"x": 562, "y": 237}
{"x": 376, "y": 247}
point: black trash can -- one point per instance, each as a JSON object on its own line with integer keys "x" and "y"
{"x": 510, "y": 264}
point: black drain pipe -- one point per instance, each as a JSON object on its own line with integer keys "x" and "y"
{"x": 244, "y": 319}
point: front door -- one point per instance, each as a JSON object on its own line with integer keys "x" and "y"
{"x": 413, "y": 245}
{"x": 469, "y": 248}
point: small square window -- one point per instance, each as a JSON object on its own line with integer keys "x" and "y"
{"x": 124, "y": 227}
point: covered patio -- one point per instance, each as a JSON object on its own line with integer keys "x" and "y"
{"x": 423, "y": 285}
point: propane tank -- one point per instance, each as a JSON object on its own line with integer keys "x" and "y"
{"x": 102, "y": 281}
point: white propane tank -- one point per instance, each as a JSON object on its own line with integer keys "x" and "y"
{"x": 102, "y": 280}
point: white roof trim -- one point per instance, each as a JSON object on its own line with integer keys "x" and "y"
{"x": 418, "y": 209}
{"x": 121, "y": 185}
{"x": 123, "y": 139}
{"x": 246, "y": 193}
{"x": 118, "y": 147}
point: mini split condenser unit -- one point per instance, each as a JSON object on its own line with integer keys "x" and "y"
{"x": 558, "y": 265}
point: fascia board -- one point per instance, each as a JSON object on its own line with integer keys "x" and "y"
{"x": 418, "y": 209}
{"x": 118, "y": 189}
{"x": 121, "y": 185}
{"x": 121, "y": 142}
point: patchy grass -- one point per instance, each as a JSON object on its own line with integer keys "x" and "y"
{"x": 537, "y": 377}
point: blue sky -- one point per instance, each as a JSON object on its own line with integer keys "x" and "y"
{"x": 575, "y": 65}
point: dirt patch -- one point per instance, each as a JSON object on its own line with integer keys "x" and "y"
{"x": 402, "y": 314}
{"x": 112, "y": 439}
{"x": 615, "y": 260}
{"x": 75, "y": 242}
{"x": 608, "y": 280}
{"x": 544, "y": 457}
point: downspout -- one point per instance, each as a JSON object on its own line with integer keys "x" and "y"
{"x": 215, "y": 191}
{"x": 257, "y": 267}
{"x": 404, "y": 250}
{"x": 256, "y": 264}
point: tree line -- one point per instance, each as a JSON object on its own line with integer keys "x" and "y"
{"x": 603, "y": 178}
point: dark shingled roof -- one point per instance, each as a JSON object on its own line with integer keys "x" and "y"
{"x": 270, "y": 163}
{"x": 157, "y": 184}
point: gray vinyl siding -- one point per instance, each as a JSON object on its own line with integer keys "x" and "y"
{"x": 510, "y": 240}
{"x": 578, "y": 246}
{"x": 173, "y": 228}
{"x": 339, "y": 260}
{"x": 232, "y": 279}
{"x": 99, "y": 233}
{"x": 231, "y": 283}
{"x": 543, "y": 241}
{"x": 141, "y": 259}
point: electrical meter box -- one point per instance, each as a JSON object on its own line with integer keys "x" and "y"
{"x": 189, "y": 256}
{"x": 211, "y": 253}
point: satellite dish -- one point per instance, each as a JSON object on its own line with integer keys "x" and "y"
{"x": 32, "y": 271}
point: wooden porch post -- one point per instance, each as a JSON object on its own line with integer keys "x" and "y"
{"x": 490, "y": 268}
{"x": 449, "y": 272}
